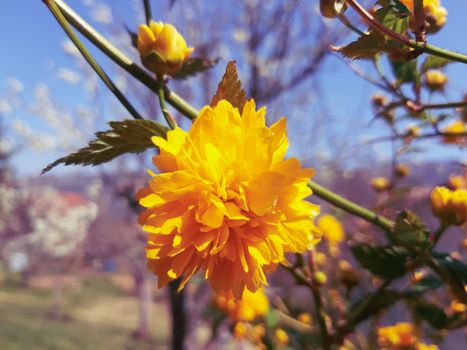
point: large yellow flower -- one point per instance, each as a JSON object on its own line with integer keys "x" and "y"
{"x": 226, "y": 201}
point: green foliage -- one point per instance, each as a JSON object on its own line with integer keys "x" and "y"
{"x": 366, "y": 46}
{"x": 410, "y": 232}
{"x": 398, "y": 8}
{"x": 230, "y": 88}
{"x": 453, "y": 273}
{"x": 385, "y": 262}
{"x": 431, "y": 313}
{"x": 128, "y": 136}
{"x": 392, "y": 18}
{"x": 434, "y": 62}
{"x": 370, "y": 304}
{"x": 193, "y": 66}
{"x": 405, "y": 71}
{"x": 426, "y": 284}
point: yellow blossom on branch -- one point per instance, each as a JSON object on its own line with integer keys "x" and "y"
{"x": 332, "y": 229}
{"x": 401, "y": 336}
{"x": 251, "y": 306}
{"x": 435, "y": 80}
{"x": 449, "y": 206}
{"x": 162, "y": 49}
{"x": 458, "y": 127}
{"x": 380, "y": 184}
{"x": 226, "y": 201}
{"x": 435, "y": 13}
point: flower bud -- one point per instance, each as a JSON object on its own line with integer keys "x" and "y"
{"x": 458, "y": 127}
{"x": 320, "y": 278}
{"x": 240, "y": 330}
{"x": 332, "y": 229}
{"x": 305, "y": 317}
{"x": 379, "y": 100}
{"x": 457, "y": 182}
{"x": 380, "y": 184}
{"x": 348, "y": 275}
{"x": 402, "y": 170}
{"x": 435, "y": 80}
{"x": 281, "y": 336}
{"x": 332, "y": 8}
{"x": 449, "y": 206}
{"x": 162, "y": 49}
{"x": 413, "y": 131}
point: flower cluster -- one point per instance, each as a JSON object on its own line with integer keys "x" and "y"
{"x": 226, "y": 201}
{"x": 401, "y": 336}
{"x": 251, "y": 306}
{"x": 435, "y": 13}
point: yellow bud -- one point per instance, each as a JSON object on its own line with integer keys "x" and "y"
{"x": 347, "y": 274}
{"x": 380, "y": 184}
{"x": 379, "y": 100}
{"x": 305, "y": 317}
{"x": 162, "y": 49}
{"x": 402, "y": 170}
{"x": 281, "y": 336}
{"x": 449, "y": 206}
{"x": 320, "y": 277}
{"x": 332, "y": 229}
{"x": 332, "y": 8}
{"x": 458, "y": 127}
{"x": 240, "y": 330}
{"x": 320, "y": 259}
{"x": 457, "y": 182}
{"x": 457, "y": 307}
{"x": 435, "y": 80}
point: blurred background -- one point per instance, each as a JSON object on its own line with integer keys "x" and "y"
{"x": 72, "y": 264}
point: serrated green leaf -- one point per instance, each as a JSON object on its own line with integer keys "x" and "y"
{"x": 405, "y": 71}
{"x": 409, "y": 231}
{"x": 230, "y": 88}
{"x": 370, "y": 304}
{"x": 385, "y": 262}
{"x": 366, "y": 46}
{"x": 193, "y": 66}
{"x": 431, "y": 313}
{"x": 434, "y": 62}
{"x": 128, "y": 136}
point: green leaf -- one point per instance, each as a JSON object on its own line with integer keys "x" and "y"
{"x": 272, "y": 318}
{"x": 385, "y": 262}
{"x": 193, "y": 66}
{"x": 370, "y": 304}
{"x": 128, "y": 136}
{"x": 230, "y": 88}
{"x": 452, "y": 271}
{"x": 431, "y": 313}
{"x": 428, "y": 283}
{"x": 405, "y": 71}
{"x": 409, "y": 231}
{"x": 434, "y": 62}
{"x": 392, "y": 19}
{"x": 398, "y": 8}
{"x": 366, "y": 46}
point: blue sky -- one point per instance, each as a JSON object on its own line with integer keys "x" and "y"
{"x": 31, "y": 41}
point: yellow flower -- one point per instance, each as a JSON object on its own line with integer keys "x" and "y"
{"x": 226, "y": 201}
{"x": 281, "y": 336}
{"x": 162, "y": 49}
{"x": 380, "y": 184}
{"x": 251, "y": 306}
{"x": 332, "y": 229}
{"x": 435, "y": 13}
{"x": 305, "y": 317}
{"x": 435, "y": 80}
{"x": 240, "y": 330}
{"x": 449, "y": 206}
{"x": 457, "y": 307}
{"x": 402, "y": 170}
{"x": 400, "y": 336}
{"x": 458, "y": 127}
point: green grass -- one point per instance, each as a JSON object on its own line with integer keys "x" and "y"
{"x": 97, "y": 316}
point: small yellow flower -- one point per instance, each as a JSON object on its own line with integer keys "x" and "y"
{"x": 226, "y": 202}
{"x": 380, "y": 184}
{"x": 305, "y": 317}
{"x": 281, "y": 336}
{"x": 458, "y": 127}
{"x": 250, "y": 307}
{"x": 435, "y": 80}
{"x": 320, "y": 278}
{"x": 449, "y": 206}
{"x": 162, "y": 49}
{"x": 332, "y": 229}
{"x": 458, "y": 307}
